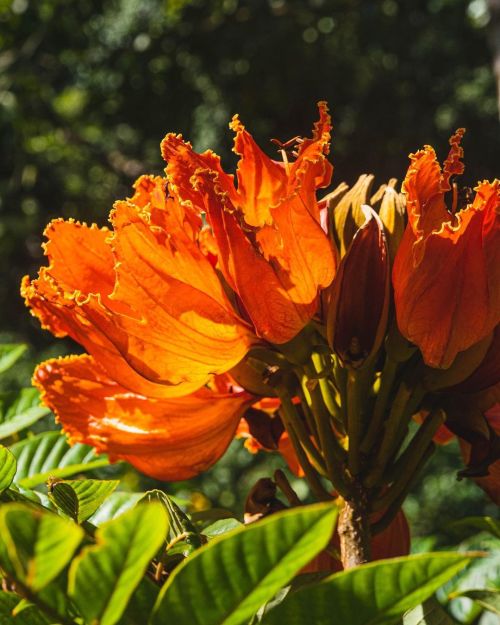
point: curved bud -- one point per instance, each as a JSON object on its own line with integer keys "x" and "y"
{"x": 357, "y": 317}
{"x": 348, "y": 214}
{"x": 392, "y": 214}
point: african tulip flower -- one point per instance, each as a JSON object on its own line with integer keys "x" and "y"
{"x": 147, "y": 301}
{"x": 267, "y": 229}
{"x": 446, "y": 273}
{"x": 214, "y": 308}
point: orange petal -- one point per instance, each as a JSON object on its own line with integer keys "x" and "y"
{"x": 183, "y": 162}
{"x": 187, "y": 326}
{"x": 274, "y": 314}
{"x": 146, "y": 355}
{"x": 299, "y": 250}
{"x": 94, "y": 327}
{"x": 166, "y": 212}
{"x": 261, "y": 181}
{"x": 447, "y": 282}
{"x": 290, "y": 260}
{"x": 80, "y": 258}
{"x": 169, "y": 439}
{"x": 312, "y": 170}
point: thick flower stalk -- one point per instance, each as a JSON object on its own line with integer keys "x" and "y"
{"x": 346, "y": 332}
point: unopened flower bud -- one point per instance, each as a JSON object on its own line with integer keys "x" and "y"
{"x": 355, "y": 329}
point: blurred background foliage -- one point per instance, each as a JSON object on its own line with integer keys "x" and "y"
{"x": 89, "y": 88}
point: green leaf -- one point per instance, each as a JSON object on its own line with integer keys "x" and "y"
{"x": 79, "y": 499}
{"x": 179, "y": 523}
{"x": 487, "y": 599}
{"x": 29, "y": 615}
{"x": 373, "y": 594}
{"x": 482, "y": 573}
{"x": 7, "y": 468}
{"x": 430, "y": 612}
{"x": 19, "y": 410}
{"x": 479, "y": 523}
{"x": 221, "y": 527}
{"x": 35, "y": 546}
{"x": 49, "y": 455}
{"x": 25, "y": 495}
{"x": 238, "y": 572}
{"x": 141, "y": 603}
{"x": 9, "y": 354}
{"x": 114, "y": 506}
{"x": 104, "y": 576}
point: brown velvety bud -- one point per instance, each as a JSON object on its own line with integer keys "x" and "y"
{"x": 357, "y": 317}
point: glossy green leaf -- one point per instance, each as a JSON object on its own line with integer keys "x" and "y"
{"x": 9, "y": 354}
{"x": 7, "y": 468}
{"x": 487, "y": 599}
{"x": 104, "y": 576}
{"x": 79, "y": 499}
{"x": 114, "y": 506}
{"x": 19, "y": 410}
{"x": 49, "y": 455}
{"x": 238, "y": 572}
{"x": 179, "y": 523}
{"x": 430, "y": 612}
{"x": 221, "y": 527}
{"x": 25, "y": 495}
{"x": 35, "y": 546}
{"x": 29, "y": 615}
{"x": 373, "y": 594}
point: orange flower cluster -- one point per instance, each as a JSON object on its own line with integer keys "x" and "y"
{"x": 200, "y": 273}
{"x": 167, "y": 303}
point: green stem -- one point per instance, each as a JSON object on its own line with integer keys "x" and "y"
{"x": 386, "y": 383}
{"x": 359, "y": 393}
{"x": 407, "y": 463}
{"x": 395, "y": 426}
{"x": 311, "y": 475}
{"x": 398, "y": 499}
{"x": 292, "y": 420}
{"x": 354, "y": 422}
{"x": 340, "y": 377}
{"x": 284, "y": 485}
{"x": 305, "y": 403}
{"x": 333, "y": 453}
{"x": 326, "y": 392}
